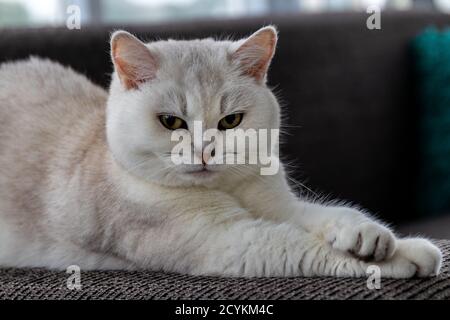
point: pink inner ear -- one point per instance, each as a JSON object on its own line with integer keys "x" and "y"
{"x": 133, "y": 61}
{"x": 255, "y": 54}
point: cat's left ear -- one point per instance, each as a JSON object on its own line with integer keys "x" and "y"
{"x": 133, "y": 61}
{"x": 255, "y": 53}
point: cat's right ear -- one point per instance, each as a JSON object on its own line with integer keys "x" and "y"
{"x": 255, "y": 53}
{"x": 133, "y": 61}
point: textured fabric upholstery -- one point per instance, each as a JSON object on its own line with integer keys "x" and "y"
{"x": 44, "y": 284}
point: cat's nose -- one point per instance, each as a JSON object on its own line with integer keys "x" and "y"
{"x": 206, "y": 156}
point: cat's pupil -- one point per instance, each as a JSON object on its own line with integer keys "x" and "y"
{"x": 170, "y": 121}
{"x": 230, "y": 119}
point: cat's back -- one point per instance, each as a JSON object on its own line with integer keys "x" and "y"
{"x": 42, "y": 98}
{"x": 44, "y": 85}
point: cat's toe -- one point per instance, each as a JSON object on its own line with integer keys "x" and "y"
{"x": 367, "y": 241}
{"x": 378, "y": 242}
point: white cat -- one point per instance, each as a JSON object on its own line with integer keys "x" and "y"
{"x": 85, "y": 177}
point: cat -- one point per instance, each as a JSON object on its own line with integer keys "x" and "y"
{"x": 85, "y": 176}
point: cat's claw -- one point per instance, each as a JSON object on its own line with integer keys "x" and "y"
{"x": 367, "y": 240}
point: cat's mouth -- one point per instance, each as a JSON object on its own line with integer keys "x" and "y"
{"x": 202, "y": 172}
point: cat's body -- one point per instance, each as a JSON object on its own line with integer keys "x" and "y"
{"x": 41, "y": 141}
{"x": 80, "y": 184}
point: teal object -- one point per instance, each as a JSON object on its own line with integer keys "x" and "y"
{"x": 432, "y": 59}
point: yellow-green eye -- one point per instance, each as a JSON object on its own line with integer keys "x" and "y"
{"x": 172, "y": 122}
{"x": 231, "y": 121}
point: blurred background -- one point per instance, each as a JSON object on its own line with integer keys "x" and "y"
{"x": 366, "y": 111}
{"x": 17, "y": 13}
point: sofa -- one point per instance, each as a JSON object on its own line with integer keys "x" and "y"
{"x": 351, "y": 121}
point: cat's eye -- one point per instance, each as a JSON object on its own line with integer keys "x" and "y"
{"x": 231, "y": 121}
{"x": 172, "y": 122}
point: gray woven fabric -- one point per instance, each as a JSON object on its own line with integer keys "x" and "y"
{"x": 44, "y": 284}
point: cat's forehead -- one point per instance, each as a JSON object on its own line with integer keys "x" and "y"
{"x": 200, "y": 74}
{"x": 197, "y": 62}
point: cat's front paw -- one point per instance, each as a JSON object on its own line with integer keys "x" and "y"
{"x": 424, "y": 255}
{"x": 367, "y": 240}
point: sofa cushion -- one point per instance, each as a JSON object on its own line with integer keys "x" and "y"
{"x": 44, "y": 284}
{"x": 432, "y": 51}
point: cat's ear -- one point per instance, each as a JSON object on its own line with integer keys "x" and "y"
{"x": 133, "y": 61}
{"x": 255, "y": 53}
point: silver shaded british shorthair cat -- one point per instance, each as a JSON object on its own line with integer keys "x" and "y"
{"x": 86, "y": 176}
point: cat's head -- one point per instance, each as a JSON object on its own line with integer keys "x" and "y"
{"x": 164, "y": 86}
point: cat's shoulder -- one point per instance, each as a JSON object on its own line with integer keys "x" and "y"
{"x": 44, "y": 74}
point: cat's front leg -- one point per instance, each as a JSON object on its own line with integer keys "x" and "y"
{"x": 345, "y": 229}
{"x": 213, "y": 235}
{"x": 254, "y": 248}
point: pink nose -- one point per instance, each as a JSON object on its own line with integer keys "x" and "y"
{"x": 206, "y": 156}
